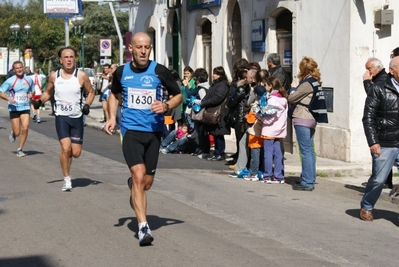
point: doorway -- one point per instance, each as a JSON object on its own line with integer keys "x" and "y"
{"x": 207, "y": 46}
{"x": 284, "y": 49}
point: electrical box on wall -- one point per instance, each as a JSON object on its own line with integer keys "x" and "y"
{"x": 383, "y": 17}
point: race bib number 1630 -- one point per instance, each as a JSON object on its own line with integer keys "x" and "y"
{"x": 140, "y": 98}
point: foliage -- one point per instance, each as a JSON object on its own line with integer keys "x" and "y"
{"x": 47, "y": 35}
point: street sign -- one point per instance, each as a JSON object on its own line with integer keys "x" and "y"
{"x": 105, "y": 61}
{"x": 62, "y": 8}
{"x": 105, "y": 48}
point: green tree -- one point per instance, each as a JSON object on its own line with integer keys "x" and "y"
{"x": 99, "y": 24}
{"x": 47, "y": 35}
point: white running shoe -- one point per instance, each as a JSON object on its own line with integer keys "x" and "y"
{"x": 67, "y": 185}
{"x": 20, "y": 153}
{"x": 145, "y": 236}
{"x": 11, "y": 137}
{"x": 274, "y": 180}
{"x": 253, "y": 178}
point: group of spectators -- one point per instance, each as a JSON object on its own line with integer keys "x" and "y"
{"x": 254, "y": 104}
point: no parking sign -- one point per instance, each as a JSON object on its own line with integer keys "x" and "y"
{"x": 105, "y": 48}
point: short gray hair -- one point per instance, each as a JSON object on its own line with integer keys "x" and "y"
{"x": 274, "y": 58}
{"x": 376, "y": 63}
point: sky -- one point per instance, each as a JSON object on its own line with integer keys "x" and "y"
{"x": 15, "y": 2}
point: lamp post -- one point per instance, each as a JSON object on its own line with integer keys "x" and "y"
{"x": 16, "y": 35}
{"x": 77, "y": 21}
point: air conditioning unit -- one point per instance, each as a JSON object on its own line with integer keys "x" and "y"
{"x": 383, "y": 17}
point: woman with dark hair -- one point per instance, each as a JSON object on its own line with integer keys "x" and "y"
{"x": 216, "y": 95}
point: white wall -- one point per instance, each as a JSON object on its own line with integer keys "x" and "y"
{"x": 340, "y": 35}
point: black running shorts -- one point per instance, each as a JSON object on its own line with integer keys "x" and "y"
{"x": 17, "y": 114}
{"x": 142, "y": 148}
{"x": 69, "y": 128}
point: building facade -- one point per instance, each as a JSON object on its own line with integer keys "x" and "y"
{"x": 340, "y": 35}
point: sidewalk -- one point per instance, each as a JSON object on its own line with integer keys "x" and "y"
{"x": 350, "y": 174}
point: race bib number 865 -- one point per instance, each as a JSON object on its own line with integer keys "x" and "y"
{"x": 140, "y": 98}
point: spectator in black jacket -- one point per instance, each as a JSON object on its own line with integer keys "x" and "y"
{"x": 381, "y": 126}
{"x": 238, "y": 108}
{"x": 375, "y": 73}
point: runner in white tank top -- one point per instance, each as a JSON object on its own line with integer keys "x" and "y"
{"x": 69, "y": 108}
{"x": 68, "y": 95}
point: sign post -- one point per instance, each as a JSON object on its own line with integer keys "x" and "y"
{"x": 105, "y": 51}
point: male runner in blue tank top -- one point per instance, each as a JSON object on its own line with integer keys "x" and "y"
{"x": 141, "y": 84}
{"x": 69, "y": 86}
{"x": 17, "y": 90}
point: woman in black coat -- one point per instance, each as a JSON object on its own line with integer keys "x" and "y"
{"x": 216, "y": 95}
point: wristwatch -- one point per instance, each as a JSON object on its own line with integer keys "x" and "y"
{"x": 167, "y": 106}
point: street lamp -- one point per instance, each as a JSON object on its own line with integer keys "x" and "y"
{"x": 77, "y": 21}
{"x": 16, "y": 35}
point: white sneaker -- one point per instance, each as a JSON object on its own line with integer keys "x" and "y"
{"x": 67, "y": 185}
{"x": 20, "y": 153}
{"x": 145, "y": 236}
{"x": 274, "y": 180}
{"x": 11, "y": 137}
{"x": 252, "y": 178}
{"x": 203, "y": 156}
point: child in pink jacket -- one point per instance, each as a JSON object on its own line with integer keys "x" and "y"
{"x": 274, "y": 130}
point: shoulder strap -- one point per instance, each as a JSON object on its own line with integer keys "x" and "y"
{"x": 15, "y": 81}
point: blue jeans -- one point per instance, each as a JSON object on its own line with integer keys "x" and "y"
{"x": 220, "y": 145}
{"x": 178, "y": 145}
{"x": 168, "y": 139}
{"x": 382, "y": 165}
{"x": 272, "y": 154}
{"x": 254, "y": 163}
{"x": 305, "y": 136}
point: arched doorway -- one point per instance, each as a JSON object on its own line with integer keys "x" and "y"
{"x": 176, "y": 62}
{"x": 206, "y": 30}
{"x": 284, "y": 49}
{"x": 236, "y": 38}
{"x": 284, "y": 39}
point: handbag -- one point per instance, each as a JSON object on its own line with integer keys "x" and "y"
{"x": 197, "y": 116}
{"x": 212, "y": 114}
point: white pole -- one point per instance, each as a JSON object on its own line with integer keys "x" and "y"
{"x": 66, "y": 32}
{"x": 111, "y": 6}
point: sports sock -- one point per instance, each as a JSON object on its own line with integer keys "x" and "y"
{"x": 142, "y": 224}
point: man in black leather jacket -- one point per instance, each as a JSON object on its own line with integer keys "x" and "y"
{"x": 381, "y": 126}
{"x": 375, "y": 73}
